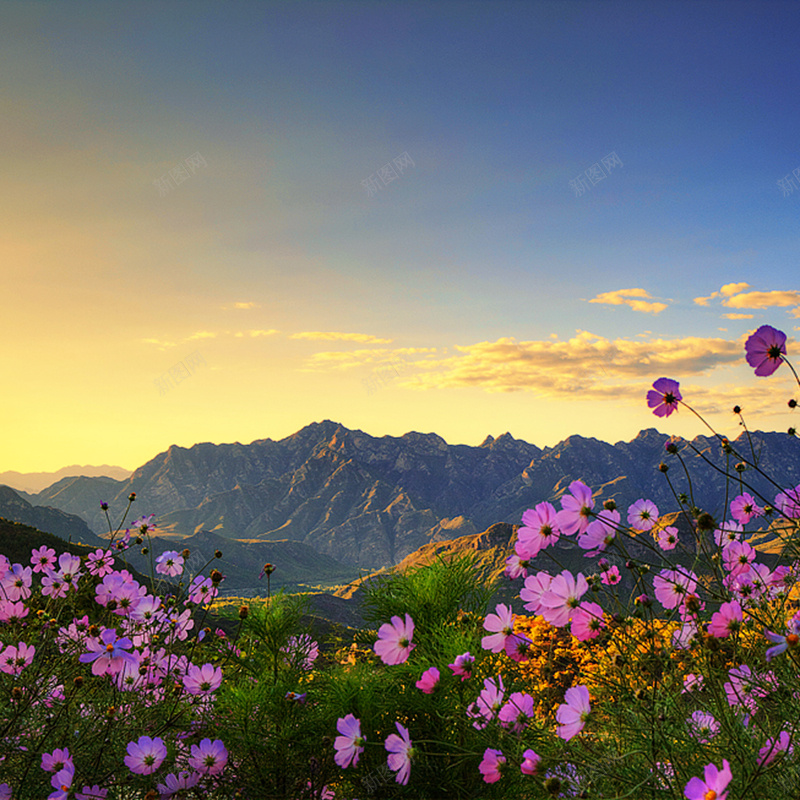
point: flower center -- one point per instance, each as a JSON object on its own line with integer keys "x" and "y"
{"x": 774, "y": 351}
{"x": 792, "y": 639}
{"x": 669, "y": 398}
{"x": 710, "y": 795}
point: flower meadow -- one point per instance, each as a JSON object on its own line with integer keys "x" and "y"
{"x": 666, "y": 667}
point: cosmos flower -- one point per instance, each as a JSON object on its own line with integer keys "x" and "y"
{"x": 400, "y": 753}
{"x": 530, "y": 763}
{"x": 726, "y": 621}
{"x": 350, "y": 744}
{"x": 559, "y": 602}
{"x": 488, "y": 703}
{"x": 43, "y": 559}
{"x": 394, "y": 640}
{"x": 772, "y": 747}
{"x": 209, "y": 757}
{"x": 146, "y": 755}
{"x": 576, "y": 508}
{"x": 764, "y": 350}
{"x": 744, "y": 508}
{"x": 427, "y": 683}
{"x": 643, "y": 515}
{"x": 664, "y": 397}
{"x": 175, "y": 783}
{"x": 713, "y": 787}
{"x": 703, "y": 726}
{"x": 516, "y": 712}
{"x": 587, "y": 621}
{"x": 534, "y": 590}
{"x": 539, "y": 530}
{"x": 572, "y": 714}
{"x": 501, "y": 626}
{"x": 170, "y": 563}
{"x": 599, "y": 533}
{"x": 491, "y": 765}
{"x": 202, "y": 680}
{"x": 667, "y": 538}
{"x": 463, "y": 665}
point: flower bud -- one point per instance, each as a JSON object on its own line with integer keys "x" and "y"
{"x": 16, "y": 693}
{"x": 662, "y": 467}
{"x": 705, "y": 522}
{"x": 216, "y": 576}
{"x": 737, "y": 409}
{"x": 671, "y": 447}
{"x": 218, "y": 554}
{"x": 793, "y": 403}
{"x": 77, "y": 681}
{"x": 104, "y": 506}
{"x": 186, "y": 553}
{"x": 740, "y": 466}
{"x": 791, "y": 431}
{"x": 132, "y": 496}
{"x": 609, "y": 505}
{"x": 243, "y": 612}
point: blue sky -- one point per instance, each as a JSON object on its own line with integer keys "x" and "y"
{"x": 273, "y": 279}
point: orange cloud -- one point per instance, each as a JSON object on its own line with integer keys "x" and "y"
{"x": 363, "y": 338}
{"x": 629, "y": 297}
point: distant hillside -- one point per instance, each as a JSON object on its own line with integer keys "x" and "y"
{"x": 370, "y": 502}
{"x": 33, "y": 482}
{"x": 52, "y": 520}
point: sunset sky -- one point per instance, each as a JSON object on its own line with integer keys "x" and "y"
{"x": 222, "y": 221}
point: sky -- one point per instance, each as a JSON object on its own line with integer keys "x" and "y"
{"x": 222, "y": 222}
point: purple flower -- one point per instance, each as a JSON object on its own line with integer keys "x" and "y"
{"x": 394, "y": 640}
{"x": 714, "y": 786}
{"x": 765, "y": 349}
{"x": 350, "y": 745}
{"x": 209, "y": 757}
{"x": 664, "y": 397}
{"x": 108, "y": 654}
{"x": 400, "y": 753}
{"x": 428, "y": 681}
{"x": 146, "y": 755}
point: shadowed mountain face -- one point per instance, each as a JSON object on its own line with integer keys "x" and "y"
{"x": 369, "y": 502}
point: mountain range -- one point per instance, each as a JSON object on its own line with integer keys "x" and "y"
{"x": 343, "y": 501}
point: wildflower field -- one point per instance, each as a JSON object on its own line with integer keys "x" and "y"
{"x": 667, "y": 668}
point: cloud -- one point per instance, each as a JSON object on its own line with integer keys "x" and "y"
{"x": 257, "y": 333}
{"x": 730, "y": 289}
{"x": 338, "y": 360}
{"x": 738, "y": 316}
{"x": 201, "y": 335}
{"x": 362, "y": 338}
{"x": 763, "y": 299}
{"x": 628, "y": 297}
{"x": 246, "y": 305}
{"x": 703, "y": 301}
{"x": 584, "y": 363}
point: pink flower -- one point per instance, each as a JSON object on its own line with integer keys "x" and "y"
{"x": 400, "y": 753}
{"x": 703, "y": 726}
{"x": 530, "y": 763}
{"x": 516, "y": 712}
{"x": 202, "y": 680}
{"x": 515, "y": 566}
{"x": 587, "y": 621}
{"x": 502, "y": 625}
{"x": 463, "y": 665}
{"x": 14, "y": 659}
{"x": 771, "y": 748}
{"x": 737, "y": 557}
{"x": 744, "y": 508}
{"x": 692, "y": 683}
{"x": 714, "y": 785}
{"x": 56, "y": 761}
{"x": 16, "y": 583}
{"x": 573, "y": 714}
{"x": 350, "y": 745}
{"x": 576, "y": 509}
{"x": 108, "y": 654}
{"x": 92, "y": 793}
{"x": 202, "y": 590}
{"x": 727, "y": 533}
{"x": 788, "y": 503}
{"x": 664, "y": 397}
{"x": 611, "y": 576}
{"x": 488, "y": 703}
{"x": 783, "y": 643}
{"x": 43, "y": 559}
{"x": 672, "y": 586}
{"x": 394, "y": 640}
{"x": 667, "y": 538}
{"x": 491, "y": 765}
{"x": 146, "y": 755}
{"x": 540, "y": 529}
{"x": 765, "y": 349}
{"x": 535, "y": 587}
{"x": 209, "y": 757}
{"x": 302, "y": 651}
{"x": 100, "y": 563}
{"x": 643, "y": 515}
{"x": 13, "y": 612}
{"x": 427, "y": 683}
{"x": 175, "y": 783}
{"x": 559, "y": 602}
{"x": 170, "y": 562}
{"x": 518, "y": 647}
{"x": 726, "y": 621}
{"x": 599, "y": 533}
